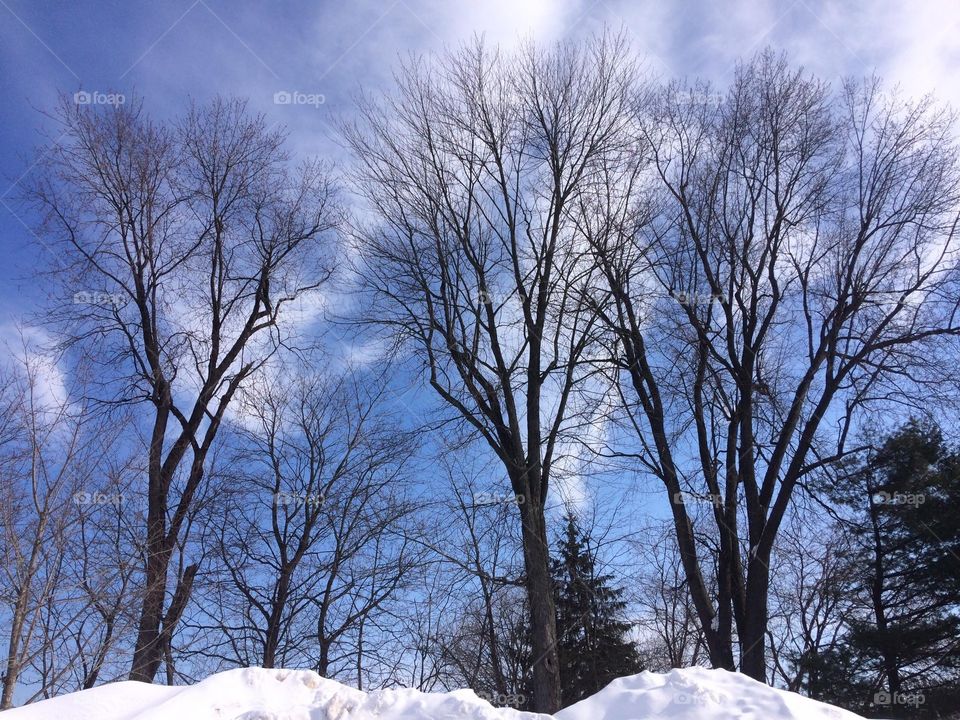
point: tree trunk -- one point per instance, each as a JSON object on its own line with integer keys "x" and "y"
{"x": 753, "y": 657}
{"x": 148, "y": 652}
{"x": 147, "y": 655}
{"x": 323, "y": 662}
{"x": 274, "y": 622}
{"x": 101, "y": 657}
{"x": 12, "y": 670}
{"x": 890, "y": 666}
{"x": 11, "y": 673}
{"x": 543, "y": 616}
{"x": 17, "y": 641}
{"x": 717, "y": 637}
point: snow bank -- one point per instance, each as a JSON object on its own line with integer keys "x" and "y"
{"x": 257, "y": 694}
{"x": 698, "y": 694}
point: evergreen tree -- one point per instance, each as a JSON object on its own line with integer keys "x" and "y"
{"x": 592, "y": 632}
{"x": 905, "y": 562}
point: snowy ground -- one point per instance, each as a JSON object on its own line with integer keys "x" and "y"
{"x": 257, "y": 694}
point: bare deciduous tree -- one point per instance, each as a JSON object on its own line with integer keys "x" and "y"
{"x": 670, "y": 634}
{"x": 478, "y": 553}
{"x": 791, "y": 263}
{"x": 182, "y": 245}
{"x": 473, "y": 254}
{"x": 313, "y": 539}
{"x": 812, "y": 600}
{"x": 52, "y": 454}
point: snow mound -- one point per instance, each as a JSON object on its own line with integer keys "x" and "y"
{"x": 698, "y": 694}
{"x": 259, "y": 694}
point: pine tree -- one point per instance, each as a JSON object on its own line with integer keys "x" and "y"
{"x": 906, "y": 569}
{"x": 591, "y": 628}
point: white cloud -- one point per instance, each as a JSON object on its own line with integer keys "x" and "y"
{"x": 26, "y": 346}
{"x": 924, "y": 51}
{"x": 505, "y": 21}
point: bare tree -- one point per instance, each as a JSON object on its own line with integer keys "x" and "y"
{"x": 313, "y": 538}
{"x": 670, "y": 634}
{"x": 416, "y": 663}
{"x": 472, "y": 255}
{"x": 52, "y": 453}
{"x": 812, "y": 600}
{"x": 87, "y": 630}
{"x": 182, "y": 246}
{"x": 479, "y": 551}
{"x": 786, "y": 261}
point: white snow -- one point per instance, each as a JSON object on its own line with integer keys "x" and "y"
{"x": 258, "y": 694}
{"x": 698, "y": 694}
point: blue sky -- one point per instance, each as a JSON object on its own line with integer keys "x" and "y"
{"x": 171, "y": 51}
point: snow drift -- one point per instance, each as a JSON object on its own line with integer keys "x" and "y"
{"x": 258, "y": 694}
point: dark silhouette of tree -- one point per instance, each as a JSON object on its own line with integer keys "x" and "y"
{"x": 792, "y": 267}
{"x": 592, "y": 630}
{"x": 475, "y": 260}
{"x": 904, "y": 644}
{"x": 182, "y": 245}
